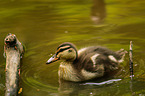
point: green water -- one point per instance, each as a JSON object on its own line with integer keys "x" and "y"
{"x": 44, "y": 24}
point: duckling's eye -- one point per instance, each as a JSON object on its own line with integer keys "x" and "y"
{"x": 69, "y": 50}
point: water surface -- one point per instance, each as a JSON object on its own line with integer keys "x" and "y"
{"x": 44, "y": 24}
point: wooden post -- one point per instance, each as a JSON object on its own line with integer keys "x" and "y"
{"x": 13, "y": 51}
{"x": 131, "y": 60}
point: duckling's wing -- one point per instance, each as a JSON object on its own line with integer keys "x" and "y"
{"x": 95, "y": 59}
{"x": 96, "y": 63}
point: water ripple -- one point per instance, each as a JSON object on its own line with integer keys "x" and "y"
{"x": 33, "y": 78}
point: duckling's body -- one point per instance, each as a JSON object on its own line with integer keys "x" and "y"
{"x": 87, "y": 63}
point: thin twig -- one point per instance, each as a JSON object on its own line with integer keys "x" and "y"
{"x": 131, "y": 60}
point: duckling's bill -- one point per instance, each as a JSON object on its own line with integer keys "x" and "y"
{"x": 52, "y": 59}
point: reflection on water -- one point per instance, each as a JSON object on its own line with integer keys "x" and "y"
{"x": 43, "y": 24}
{"x": 98, "y": 11}
{"x": 71, "y": 88}
{"x": 115, "y": 87}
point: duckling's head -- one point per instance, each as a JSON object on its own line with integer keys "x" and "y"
{"x": 66, "y": 51}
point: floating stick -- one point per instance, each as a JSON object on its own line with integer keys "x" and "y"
{"x": 13, "y": 51}
{"x": 131, "y": 60}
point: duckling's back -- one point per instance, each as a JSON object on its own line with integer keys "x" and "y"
{"x": 98, "y": 60}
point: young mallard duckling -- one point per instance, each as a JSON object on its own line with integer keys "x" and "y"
{"x": 87, "y": 63}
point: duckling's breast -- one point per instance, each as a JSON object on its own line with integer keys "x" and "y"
{"x": 67, "y": 72}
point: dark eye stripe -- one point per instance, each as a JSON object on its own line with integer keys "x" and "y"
{"x": 61, "y": 50}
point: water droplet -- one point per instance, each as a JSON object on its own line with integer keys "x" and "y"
{"x": 66, "y": 31}
{"x": 135, "y": 65}
{"x": 91, "y": 93}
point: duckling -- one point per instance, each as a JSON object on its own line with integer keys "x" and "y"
{"x": 87, "y": 63}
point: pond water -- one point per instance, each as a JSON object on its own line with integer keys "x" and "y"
{"x": 44, "y": 24}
